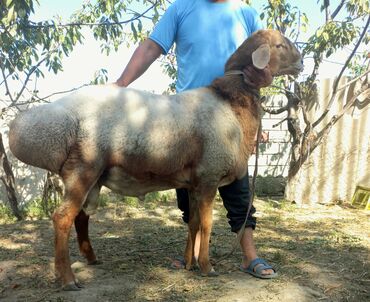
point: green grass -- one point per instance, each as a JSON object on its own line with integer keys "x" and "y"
{"x": 37, "y": 209}
{"x": 103, "y": 200}
{"x": 131, "y": 201}
{"x": 6, "y": 215}
{"x": 34, "y": 209}
{"x": 159, "y": 197}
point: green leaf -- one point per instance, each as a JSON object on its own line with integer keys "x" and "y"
{"x": 134, "y": 30}
{"x": 325, "y": 36}
{"x": 11, "y": 14}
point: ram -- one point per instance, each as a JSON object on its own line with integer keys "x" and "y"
{"x": 135, "y": 142}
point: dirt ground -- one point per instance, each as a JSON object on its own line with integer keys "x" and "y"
{"x": 321, "y": 254}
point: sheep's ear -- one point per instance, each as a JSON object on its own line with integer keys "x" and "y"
{"x": 261, "y": 56}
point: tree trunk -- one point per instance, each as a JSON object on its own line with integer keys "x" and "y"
{"x": 8, "y": 181}
{"x": 52, "y": 193}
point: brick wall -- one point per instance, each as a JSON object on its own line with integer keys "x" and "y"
{"x": 274, "y": 155}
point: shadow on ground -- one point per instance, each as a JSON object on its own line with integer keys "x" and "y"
{"x": 321, "y": 253}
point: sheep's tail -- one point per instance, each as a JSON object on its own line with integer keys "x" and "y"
{"x": 42, "y": 136}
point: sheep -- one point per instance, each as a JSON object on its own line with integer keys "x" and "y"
{"x": 135, "y": 142}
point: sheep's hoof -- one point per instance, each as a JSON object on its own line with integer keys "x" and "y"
{"x": 94, "y": 262}
{"x": 211, "y": 273}
{"x": 72, "y": 286}
{"x": 189, "y": 267}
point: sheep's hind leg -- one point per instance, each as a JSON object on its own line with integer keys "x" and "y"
{"x": 82, "y": 228}
{"x": 205, "y": 219}
{"x": 78, "y": 182}
{"x": 193, "y": 228}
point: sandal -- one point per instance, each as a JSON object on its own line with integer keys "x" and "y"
{"x": 256, "y": 267}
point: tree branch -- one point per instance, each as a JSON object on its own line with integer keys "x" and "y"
{"x": 305, "y": 118}
{"x": 138, "y": 16}
{"x": 325, "y": 131}
{"x": 273, "y": 111}
{"x": 327, "y": 12}
{"x": 279, "y": 123}
{"x": 298, "y": 28}
{"x": 32, "y": 70}
{"x": 60, "y": 92}
{"x": 336, "y": 83}
{"x": 287, "y": 91}
{"x": 352, "y": 54}
{"x": 336, "y": 11}
{"x": 354, "y": 80}
{"x": 3, "y": 81}
{"x": 6, "y": 84}
{"x": 41, "y": 99}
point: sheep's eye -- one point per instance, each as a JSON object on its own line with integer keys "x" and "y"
{"x": 280, "y": 45}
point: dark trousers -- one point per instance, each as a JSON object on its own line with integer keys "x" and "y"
{"x": 236, "y": 198}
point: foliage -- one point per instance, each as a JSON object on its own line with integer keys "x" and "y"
{"x": 169, "y": 66}
{"x": 331, "y": 37}
{"x": 159, "y": 197}
{"x": 35, "y": 209}
{"x": 103, "y": 200}
{"x": 27, "y": 46}
{"x": 28, "y": 49}
{"x": 100, "y": 77}
{"x": 6, "y": 215}
{"x": 336, "y": 33}
{"x": 357, "y": 66}
{"x": 286, "y": 18}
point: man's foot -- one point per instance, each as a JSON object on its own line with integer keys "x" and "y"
{"x": 258, "y": 268}
{"x": 251, "y": 263}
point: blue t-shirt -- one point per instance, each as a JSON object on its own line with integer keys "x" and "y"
{"x": 206, "y": 34}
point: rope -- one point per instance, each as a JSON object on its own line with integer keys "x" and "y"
{"x": 251, "y": 89}
{"x": 253, "y": 188}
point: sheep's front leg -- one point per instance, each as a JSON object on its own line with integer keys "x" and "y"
{"x": 205, "y": 217}
{"x": 78, "y": 183}
{"x": 63, "y": 219}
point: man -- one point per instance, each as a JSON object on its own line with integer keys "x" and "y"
{"x": 206, "y": 33}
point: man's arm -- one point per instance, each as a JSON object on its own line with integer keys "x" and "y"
{"x": 146, "y": 53}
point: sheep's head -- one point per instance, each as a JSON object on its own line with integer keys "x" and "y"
{"x": 267, "y": 47}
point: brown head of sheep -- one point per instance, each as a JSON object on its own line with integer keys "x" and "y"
{"x": 135, "y": 142}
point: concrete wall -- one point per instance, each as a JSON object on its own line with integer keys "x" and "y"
{"x": 342, "y": 161}
{"x": 29, "y": 180}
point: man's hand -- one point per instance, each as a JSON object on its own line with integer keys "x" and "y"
{"x": 144, "y": 55}
{"x": 257, "y": 78}
{"x": 264, "y": 138}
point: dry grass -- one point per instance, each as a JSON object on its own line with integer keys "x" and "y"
{"x": 321, "y": 253}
